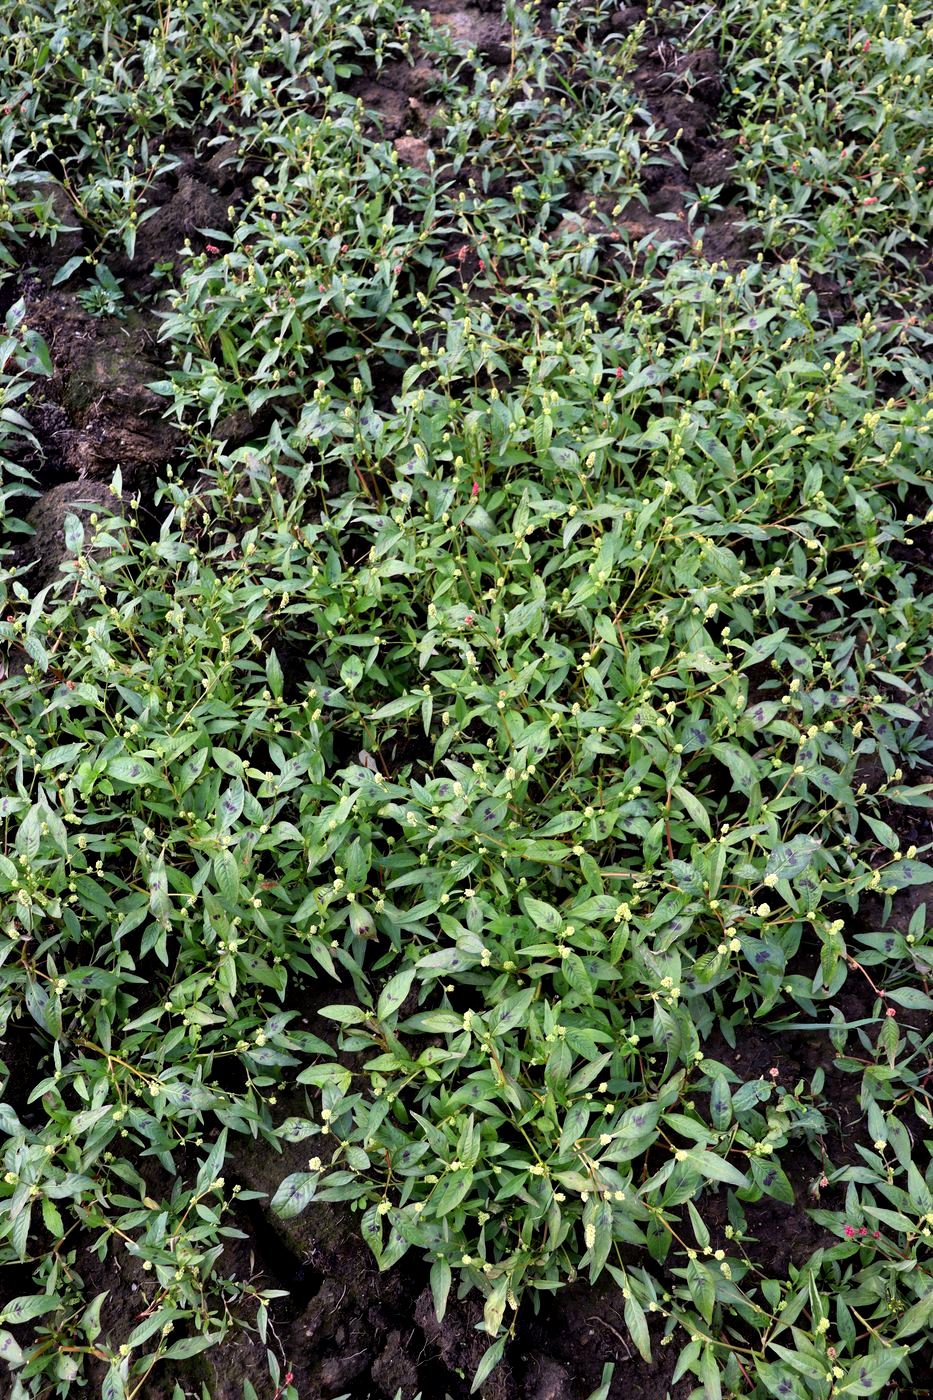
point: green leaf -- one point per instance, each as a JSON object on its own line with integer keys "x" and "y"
{"x": 917, "y": 1318}
{"x": 52, "y": 1218}
{"x": 781, "y": 1381}
{"x": 159, "y": 902}
{"x": 114, "y": 1382}
{"x": 90, "y": 1318}
{"x": 771, "y": 1177}
{"x": 716, "y": 451}
{"x": 351, "y": 672}
{"x": 910, "y": 997}
{"x": 720, "y": 1103}
{"x": 74, "y": 533}
{"x": 28, "y": 1306}
{"x": 695, "y": 807}
{"x": 488, "y": 1361}
{"x": 227, "y": 875}
{"x": 523, "y": 617}
{"x": 543, "y": 915}
{"x": 10, "y": 1349}
{"x": 191, "y": 769}
{"x": 602, "y": 1390}
{"x": 790, "y": 859}
{"x": 637, "y": 1324}
{"x": 440, "y": 1286}
{"x": 295, "y": 1193}
{"x": 599, "y": 1253}
{"x": 903, "y": 874}
{"x": 394, "y": 709}
{"x": 68, "y": 269}
{"x": 191, "y": 1346}
{"x": 702, "y": 1289}
{"x": 394, "y": 993}
{"x": 434, "y": 1023}
{"x": 295, "y": 1130}
{"x": 700, "y": 1232}
{"x": 710, "y": 1374}
{"x": 494, "y": 1307}
{"x": 868, "y": 1376}
{"x": 371, "y": 1230}
{"x": 345, "y": 1014}
{"x": 127, "y": 769}
{"x": 715, "y": 1168}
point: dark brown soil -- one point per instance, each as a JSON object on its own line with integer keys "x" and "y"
{"x": 346, "y": 1329}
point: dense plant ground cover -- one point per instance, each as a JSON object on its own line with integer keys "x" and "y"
{"x": 465, "y": 716}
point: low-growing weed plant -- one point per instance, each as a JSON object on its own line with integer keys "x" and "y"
{"x": 537, "y": 695}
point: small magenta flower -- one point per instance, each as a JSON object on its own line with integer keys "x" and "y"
{"x": 849, "y": 1232}
{"x": 475, "y": 492}
{"x": 891, "y": 1011}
